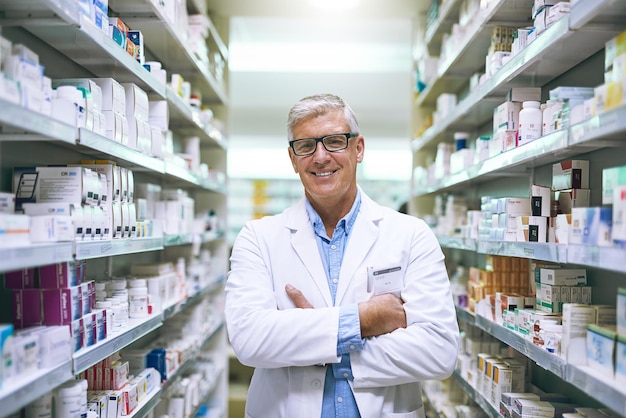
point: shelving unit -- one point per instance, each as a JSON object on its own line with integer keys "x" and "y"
{"x": 69, "y": 45}
{"x": 562, "y": 55}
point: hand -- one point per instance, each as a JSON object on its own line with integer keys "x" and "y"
{"x": 381, "y": 314}
{"x": 297, "y": 297}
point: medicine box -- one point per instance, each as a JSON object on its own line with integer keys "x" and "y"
{"x": 514, "y": 205}
{"x": 620, "y": 359}
{"x": 570, "y": 174}
{"x": 20, "y": 279}
{"x": 563, "y": 277}
{"x": 61, "y": 306}
{"x": 621, "y": 310}
{"x": 576, "y": 317}
{"x": 541, "y": 200}
{"x": 572, "y": 198}
{"x": 591, "y": 226}
{"x": 506, "y": 116}
{"x": 60, "y": 275}
{"x": 27, "y": 307}
{"x": 619, "y": 216}
{"x": 532, "y": 228}
{"x": 600, "y": 348}
{"x": 611, "y": 177}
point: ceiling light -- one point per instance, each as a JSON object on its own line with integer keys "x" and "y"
{"x": 335, "y": 5}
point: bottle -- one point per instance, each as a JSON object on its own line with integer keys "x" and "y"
{"x": 530, "y": 122}
{"x": 138, "y": 298}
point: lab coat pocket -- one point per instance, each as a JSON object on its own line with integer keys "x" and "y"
{"x": 418, "y": 413}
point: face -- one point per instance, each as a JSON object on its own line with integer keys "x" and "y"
{"x": 328, "y": 177}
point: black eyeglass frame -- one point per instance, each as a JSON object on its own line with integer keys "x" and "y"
{"x": 321, "y": 139}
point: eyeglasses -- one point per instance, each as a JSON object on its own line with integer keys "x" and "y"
{"x": 332, "y": 143}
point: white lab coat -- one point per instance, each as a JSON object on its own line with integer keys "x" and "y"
{"x": 286, "y": 345}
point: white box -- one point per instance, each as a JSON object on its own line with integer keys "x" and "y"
{"x": 514, "y": 205}
{"x": 563, "y": 277}
{"x": 611, "y": 177}
{"x": 506, "y": 116}
{"x": 113, "y": 95}
{"x": 572, "y": 198}
{"x": 576, "y": 317}
{"x": 532, "y": 228}
{"x": 541, "y": 200}
{"x": 159, "y": 114}
{"x": 600, "y": 348}
{"x": 136, "y": 102}
{"x": 591, "y": 226}
{"x": 619, "y": 216}
{"x": 570, "y": 174}
{"x": 51, "y": 228}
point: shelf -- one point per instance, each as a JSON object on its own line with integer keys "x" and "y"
{"x": 607, "y": 258}
{"x": 95, "y": 249}
{"x": 470, "y": 57}
{"x": 554, "y": 52}
{"x": 458, "y": 243}
{"x": 186, "y": 122}
{"x": 147, "y": 405}
{"x": 40, "y": 127}
{"x": 598, "y": 386}
{"x": 172, "y": 240}
{"x": 548, "y": 361}
{"x": 16, "y": 258}
{"x": 536, "y": 250}
{"x": 20, "y": 391}
{"x": 476, "y": 396}
{"x": 598, "y": 12}
{"x": 87, "y": 357}
{"x": 172, "y": 310}
{"x": 169, "y": 46}
{"x": 77, "y": 33}
{"x": 464, "y": 315}
{"x": 104, "y": 148}
{"x": 448, "y": 15}
{"x": 606, "y": 128}
{"x": 184, "y": 177}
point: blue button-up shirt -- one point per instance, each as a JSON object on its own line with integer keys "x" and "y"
{"x": 338, "y": 397}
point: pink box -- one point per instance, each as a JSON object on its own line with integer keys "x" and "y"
{"x": 60, "y": 275}
{"x": 20, "y": 279}
{"x": 26, "y": 307}
{"x": 61, "y": 306}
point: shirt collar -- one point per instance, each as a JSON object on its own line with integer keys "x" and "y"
{"x": 344, "y": 223}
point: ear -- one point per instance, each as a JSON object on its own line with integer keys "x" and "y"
{"x": 360, "y": 148}
{"x": 293, "y": 160}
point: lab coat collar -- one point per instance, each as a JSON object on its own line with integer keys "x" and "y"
{"x": 364, "y": 234}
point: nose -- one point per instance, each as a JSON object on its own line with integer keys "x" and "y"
{"x": 320, "y": 153}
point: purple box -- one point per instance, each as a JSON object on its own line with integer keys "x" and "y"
{"x": 60, "y": 275}
{"x": 27, "y": 308}
{"x": 61, "y": 306}
{"x": 20, "y": 279}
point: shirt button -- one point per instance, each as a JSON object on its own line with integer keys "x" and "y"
{"x": 335, "y": 281}
{"x": 346, "y": 375}
{"x": 333, "y": 247}
{"x": 352, "y": 347}
{"x": 316, "y": 384}
{"x": 340, "y": 399}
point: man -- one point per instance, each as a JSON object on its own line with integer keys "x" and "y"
{"x": 342, "y": 306}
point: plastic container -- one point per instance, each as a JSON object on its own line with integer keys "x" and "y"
{"x": 40, "y": 408}
{"x": 138, "y": 302}
{"x": 116, "y": 315}
{"x": 551, "y": 118}
{"x": 460, "y": 140}
{"x": 530, "y": 122}
{"x": 123, "y": 308}
{"x": 551, "y": 336}
{"x": 67, "y": 400}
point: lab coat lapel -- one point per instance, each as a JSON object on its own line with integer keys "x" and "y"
{"x": 364, "y": 234}
{"x": 304, "y": 244}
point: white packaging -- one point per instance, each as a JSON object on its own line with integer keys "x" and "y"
{"x": 600, "y": 348}
{"x": 532, "y": 228}
{"x": 572, "y": 198}
{"x": 541, "y": 200}
{"x": 51, "y": 228}
{"x": 159, "y": 115}
{"x": 113, "y": 95}
{"x": 570, "y": 174}
{"x": 563, "y": 276}
{"x": 619, "y": 216}
{"x": 530, "y": 122}
{"x": 576, "y": 317}
{"x": 506, "y": 116}
{"x": 591, "y": 226}
{"x": 68, "y": 401}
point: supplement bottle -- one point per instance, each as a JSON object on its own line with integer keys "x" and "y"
{"x": 530, "y": 122}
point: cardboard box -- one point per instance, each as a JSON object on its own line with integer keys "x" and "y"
{"x": 611, "y": 177}
{"x": 572, "y": 198}
{"x": 570, "y": 174}
{"x": 591, "y": 226}
{"x": 576, "y": 317}
{"x": 600, "y": 348}
{"x": 563, "y": 277}
{"x": 532, "y": 229}
{"x": 541, "y": 201}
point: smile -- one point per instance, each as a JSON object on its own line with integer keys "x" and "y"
{"x": 324, "y": 174}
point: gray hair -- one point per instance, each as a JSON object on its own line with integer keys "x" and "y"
{"x": 318, "y": 105}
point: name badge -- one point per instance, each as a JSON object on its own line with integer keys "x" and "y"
{"x": 385, "y": 280}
